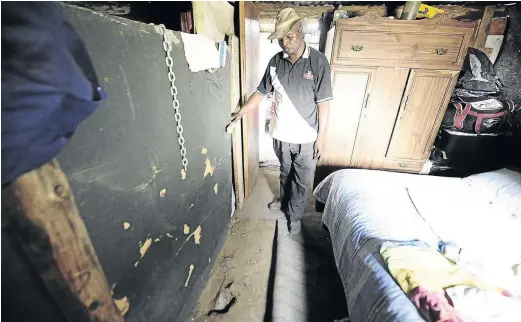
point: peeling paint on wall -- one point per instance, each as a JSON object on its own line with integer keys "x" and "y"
{"x": 123, "y": 305}
{"x": 189, "y": 274}
{"x": 126, "y": 225}
{"x": 197, "y": 235}
{"x": 183, "y": 174}
{"x": 216, "y": 188}
{"x": 197, "y": 238}
{"x": 186, "y": 229}
{"x": 169, "y": 236}
{"x": 209, "y": 169}
{"x": 162, "y": 193}
{"x": 143, "y": 249}
{"x": 204, "y": 151}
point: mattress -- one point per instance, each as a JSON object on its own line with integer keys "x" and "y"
{"x": 364, "y": 208}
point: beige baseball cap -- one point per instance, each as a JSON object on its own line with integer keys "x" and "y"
{"x": 286, "y": 20}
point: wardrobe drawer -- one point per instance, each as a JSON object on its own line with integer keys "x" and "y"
{"x": 400, "y": 44}
{"x": 398, "y": 47}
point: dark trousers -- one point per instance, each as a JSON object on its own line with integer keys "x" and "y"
{"x": 297, "y": 170}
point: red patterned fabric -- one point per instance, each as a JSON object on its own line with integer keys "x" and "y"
{"x": 434, "y": 306}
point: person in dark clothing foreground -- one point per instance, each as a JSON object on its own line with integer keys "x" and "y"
{"x": 49, "y": 85}
{"x": 300, "y": 79}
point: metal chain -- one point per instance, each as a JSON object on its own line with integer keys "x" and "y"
{"x": 167, "y": 46}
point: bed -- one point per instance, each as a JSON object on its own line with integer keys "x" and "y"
{"x": 365, "y": 208}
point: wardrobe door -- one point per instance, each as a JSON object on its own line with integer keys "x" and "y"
{"x": 351, "y": 88}
{"x": 423, "y": 105}
{"x": 378, "y": 117}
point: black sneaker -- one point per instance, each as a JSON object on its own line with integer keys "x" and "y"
{"x": 295, "y": 227}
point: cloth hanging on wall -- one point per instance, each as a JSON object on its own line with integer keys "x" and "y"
{"x": 200, "y": 52}
{"x": 213, "y": 19}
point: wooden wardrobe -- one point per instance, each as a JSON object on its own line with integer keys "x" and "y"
{"x": 392, "y": 81}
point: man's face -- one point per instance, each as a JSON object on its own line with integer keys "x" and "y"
{"x": 292, "y": 41}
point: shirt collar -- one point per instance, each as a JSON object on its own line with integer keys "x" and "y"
{"x": 305, "y": 54}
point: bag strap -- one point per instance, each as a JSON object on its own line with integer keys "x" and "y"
{"x": 460, "y": 115}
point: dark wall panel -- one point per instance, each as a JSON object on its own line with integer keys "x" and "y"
{"x": 508, "y": 65}
{"x": 124, "y": 167}
{"x": 508, "y": 69}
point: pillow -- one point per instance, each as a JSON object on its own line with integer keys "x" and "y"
{"x": 500, "y": 186}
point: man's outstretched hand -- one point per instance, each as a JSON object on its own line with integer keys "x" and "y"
{"x": 235, "y": 119}
{"x": 319, "y": 144}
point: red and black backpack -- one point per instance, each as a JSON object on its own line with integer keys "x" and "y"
{"x": 487, "y": 116}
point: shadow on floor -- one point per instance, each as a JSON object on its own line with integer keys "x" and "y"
{"x": 304, "y": 284}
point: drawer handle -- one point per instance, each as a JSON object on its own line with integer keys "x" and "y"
{"x": 441, "y": 51}
{"x": 402, "y": 164}
{"x": 357, "y": 47}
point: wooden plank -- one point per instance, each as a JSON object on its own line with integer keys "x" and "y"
{"x": 498, "y": 26}
{"x": 269, "y": 11}
{"x": 235, "y": 91}
{"x": 249, "y": 46}
{"x": 40, "y": 209}
{"x": 495, "y": 38}
{"x": 213, "y": 19}
{"x": 484, "y": 27}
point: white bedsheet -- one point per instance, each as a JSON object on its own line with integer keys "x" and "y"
{"x": 365, "y": 208}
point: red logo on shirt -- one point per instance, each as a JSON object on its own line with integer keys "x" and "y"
{"x": 308, "y": 75}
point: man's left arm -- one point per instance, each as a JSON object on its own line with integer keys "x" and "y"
{"x": 323, "y": 94}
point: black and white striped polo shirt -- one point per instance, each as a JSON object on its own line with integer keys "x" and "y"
{"x": 297, "y": 89}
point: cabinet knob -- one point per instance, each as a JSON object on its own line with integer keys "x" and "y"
{"x": 441, "y": 51}
{"x": 357, "y": 47}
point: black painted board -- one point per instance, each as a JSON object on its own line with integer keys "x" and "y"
{"x": 122, "y": 157}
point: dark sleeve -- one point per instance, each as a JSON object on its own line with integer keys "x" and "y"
{"x": 48, "y": 85}
{"x": 265, "y": 87}
{"x": 323, "y": 90}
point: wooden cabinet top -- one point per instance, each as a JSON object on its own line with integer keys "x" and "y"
{"x": 402, "y": 43}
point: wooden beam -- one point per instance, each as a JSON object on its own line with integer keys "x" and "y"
{"x": 235, "y": 92}
{"x": 484, "y": 26}
{"x": 249, "y": 40}
{"x": 270, "y": 10}
{"x": 312, "y": 15}
{"x": 39, "y": 210}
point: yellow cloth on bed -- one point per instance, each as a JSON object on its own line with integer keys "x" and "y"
{"x": 413, "y": 266}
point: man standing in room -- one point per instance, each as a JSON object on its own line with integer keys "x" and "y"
{"x": 300, "y": 79}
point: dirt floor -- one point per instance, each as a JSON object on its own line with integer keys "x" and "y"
{"x": 242, "y": 271}
{"x": 243, "y": 266}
